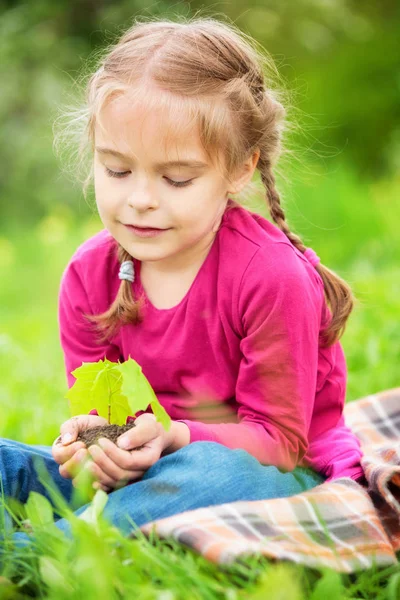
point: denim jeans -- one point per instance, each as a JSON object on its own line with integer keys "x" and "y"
{"x": 198, "y": 475}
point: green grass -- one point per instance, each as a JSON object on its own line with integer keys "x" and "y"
{"x": 353, "y": 226}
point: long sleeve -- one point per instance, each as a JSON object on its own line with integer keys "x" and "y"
{"x": 79, "y": 339}
{"x": 279, "y": 314}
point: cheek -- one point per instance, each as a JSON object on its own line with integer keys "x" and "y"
{"x": 197, "y": 213}
{"x": 190, "y": 208}
{"x": 190, "y": 219}
{"x": 100, "y": 201}
{"x": 100, "y": 187}
{"x": 106, "y": 199}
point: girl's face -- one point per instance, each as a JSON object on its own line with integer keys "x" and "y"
{"x": 135, "y": 185}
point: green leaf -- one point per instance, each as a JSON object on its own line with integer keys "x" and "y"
{"x": 39, "y": 510}
{"x": 119, "y": 405}
{"x": 329, "y": 587}
{"x": 135, "y": 386}
{"x": 98, "y": 385}
{"x": 393, "y": 588}
{"x": 84, "y": 479}
{"x": 115, "y": 390}
{"x": 120, "y": 409}
{"x": 52, "y": 571}
{"x": 100, "y": 392}
{"x": 96, "y": 507}
{"x": 139, "y": 392}
{"x": 80, "y": 394}
{"x": 161, "y": 414}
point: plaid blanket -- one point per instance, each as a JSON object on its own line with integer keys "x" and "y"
{"x": 340, "y": 524}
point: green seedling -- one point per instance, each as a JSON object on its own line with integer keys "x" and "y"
{"x": 116, "y": 391}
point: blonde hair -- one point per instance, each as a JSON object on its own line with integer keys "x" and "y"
{"x": 211, "y": 72}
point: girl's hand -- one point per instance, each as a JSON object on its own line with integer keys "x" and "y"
{"x": 114, "y": 465}
{"x": 68, "y": 453}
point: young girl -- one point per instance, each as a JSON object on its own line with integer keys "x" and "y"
{"x": 235, "y": 323}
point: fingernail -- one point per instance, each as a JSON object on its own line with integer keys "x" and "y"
{"x": 123, "y": 443}
{"x": 66, "y": 438}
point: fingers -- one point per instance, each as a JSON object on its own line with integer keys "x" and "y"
{"x": 111, "y": 466}
{"x": 120, "y": 479}
{"x": 70, "y": 429}
{"x": 132, "y": 460}
{"x": 147, "y": 428}
{"x": 71, "y": 467}
{"x": 99, "y": 486}
{"x": 101, "y": 467}
{"x": 109, "y": 471}
{"x": 61, "y": 453}
{"x": 114, "y": 466}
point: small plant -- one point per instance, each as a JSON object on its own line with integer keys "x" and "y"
{"x": 115, "y": 391}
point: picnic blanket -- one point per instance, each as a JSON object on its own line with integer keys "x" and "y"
{"x": 339, "y": 524}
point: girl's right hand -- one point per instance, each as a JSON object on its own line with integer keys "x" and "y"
{"x": 65, "y": 450}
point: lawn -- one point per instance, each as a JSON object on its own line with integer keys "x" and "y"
{"x": 353, "y": 225}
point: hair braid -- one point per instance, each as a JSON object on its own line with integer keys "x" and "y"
{"x": 275, "y": 207}
{"x": 337, "y": 292}
{"x": 125, "y": 308}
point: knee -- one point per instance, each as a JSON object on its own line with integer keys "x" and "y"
{"x": 214, "y": 472}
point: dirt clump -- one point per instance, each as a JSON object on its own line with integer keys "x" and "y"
{"x": 111, "y": 432}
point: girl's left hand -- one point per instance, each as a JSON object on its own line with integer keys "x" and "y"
{"x": 113, "y": 467}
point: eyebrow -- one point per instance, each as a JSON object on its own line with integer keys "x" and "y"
{"x": 194, "y": 164}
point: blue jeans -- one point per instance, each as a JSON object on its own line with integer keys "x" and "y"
{"x": 198, "y": 475}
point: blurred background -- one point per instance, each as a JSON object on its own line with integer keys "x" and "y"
{"x": 340, "y": 60}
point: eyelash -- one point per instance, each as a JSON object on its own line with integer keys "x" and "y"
{"x": 120, "y": 174}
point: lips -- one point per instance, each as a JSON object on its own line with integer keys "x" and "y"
{"x": 145, "y": 232}
{"x": 146, "y": 228}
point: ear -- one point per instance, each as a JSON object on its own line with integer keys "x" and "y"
{"x": 246, "y": 173}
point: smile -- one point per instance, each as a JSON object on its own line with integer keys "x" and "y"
{"x": 145, "y": 231}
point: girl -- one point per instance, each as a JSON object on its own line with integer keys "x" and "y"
{"x": 235, "y": 323}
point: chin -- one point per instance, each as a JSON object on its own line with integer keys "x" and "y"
{"x": 141, "y": 253}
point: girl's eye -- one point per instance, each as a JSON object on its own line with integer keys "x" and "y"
{"x": 170, "y": 181}
{"x": 179, "y": 183}
{"x": 115, "y": 173}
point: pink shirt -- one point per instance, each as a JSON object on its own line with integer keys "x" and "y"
{"x": 244, "y": 339}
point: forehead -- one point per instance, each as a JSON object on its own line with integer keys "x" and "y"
{"x": 153, "y": 130}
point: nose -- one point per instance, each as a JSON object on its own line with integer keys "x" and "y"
{"x": 141, "y": 197}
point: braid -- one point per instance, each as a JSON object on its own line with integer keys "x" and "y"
{"x": 338, "y": 293}
{"x": 275, "y": 207}
{"x": 125, "y": 308}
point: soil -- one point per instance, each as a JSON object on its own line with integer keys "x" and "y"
{"x": 111, "y": 432}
